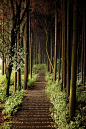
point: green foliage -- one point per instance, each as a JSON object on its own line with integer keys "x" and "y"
{"x": 32, "y": 80}
{"x": 81, "y": 94}
{"x": 2, "y": 87}
{"x": 6, "y": 125}
{"x": 13, "y": 102}
{"x": 2, "y": 79}
{"x": 60, "y": 111}
{"x": 0, "y": 67}
{"x": 36, "y": 68}
{"x": 18, "y": 58}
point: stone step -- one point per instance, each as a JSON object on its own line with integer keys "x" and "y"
{"x": 34, "y": 113}
{"x": 35, "y": 119}
{"x": 32, "y": 124}
{"x": 32, "y": 127}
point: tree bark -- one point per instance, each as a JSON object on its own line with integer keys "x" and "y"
{"x": 26, "y": 52}
{"x": 51, "y": 52}
{"x": 68, "y": 40}
{"x": 84, "y": 50}
{"x": 39, "y": 53}
{"x": 82, "y": 58}
{"x": 55, "y": 50}
{"x": 31, "y": 57}
{"x": 2, "y": 63}
{"x": 60, "y": 52}
{"x": 72, "y": 101}
{"x": 64, "y": 45}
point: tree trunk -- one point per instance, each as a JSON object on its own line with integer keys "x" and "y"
{"x": 26, "y": 52}
{"x": 2, "y": 64}
{"x": 55, "y": 50}
{"x": 8, "y": 74}
{"x": 31, "y": 57}
{"x": 82, "y": 58}
{"x": 84, "y": 50}
{"x": 60, "y": 53}
{"x": 72, "y": 101}
{"x": 15, "y": 79}
{"x": 39, "y": 53}
{"x": 19, "y": 70}
{"x": 9, "y": 68}
{"x": 51, "y": 52}
{"x": 64, "y": 45}
{"x": 68, "y": 40}
{"x": 47, "y": 49}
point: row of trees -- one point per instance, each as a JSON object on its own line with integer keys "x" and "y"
{"x": 28, "y": 25}
{"x": 14, "y": 29}
{"x": 69, "y": 47}
{"x": 64, "y": 23}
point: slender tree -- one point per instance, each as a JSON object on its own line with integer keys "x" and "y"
{"x": 64, "y": 44}
{"x": 72, "y": 102}
{"x": 55, "y": 50}
{"x": 84, "y": 48}
{"x": 60, "y": 52}
{"x": 51, "y": 52}
{"x": 67, "y": 54}
{"x": 82, "y": 57}
{"x": 26, "y": 49}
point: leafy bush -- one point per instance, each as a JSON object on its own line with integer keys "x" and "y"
{"x": 5, "y": 125}
{"x": 13, "y": 102}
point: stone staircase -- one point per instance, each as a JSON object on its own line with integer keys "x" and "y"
{"x": 34, "y": 113}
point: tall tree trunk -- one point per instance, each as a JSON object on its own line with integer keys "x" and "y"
{"x": 51, "y": 52}
{"x": 31, "y": 57}
{"x": 68, "y": 38}
{"x": 39, "y": 53}
{"x": 36, "y": 51}
{"x": 84, "y": 49}
{"x": 18, "y": 46}
{"x": 72, "y": 101}
{"x": 2, "y": 48}
{"x": 55, "y": 50}
{"x": 78, "y": 55}
{"x": 9, "y": 67}
{"x": 47, "y": 49}
{"x": 82, "y": 58}
{"x": 26, "y": 52}
{"x": 60, "y": 52}
{"x": 64, "y": 45}
{"x": 15, "y": 79}
{"x": 19, "y": 70}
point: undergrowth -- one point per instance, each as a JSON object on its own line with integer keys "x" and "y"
{"x": 60, "y": 111}
{"x": 13, "y": 102}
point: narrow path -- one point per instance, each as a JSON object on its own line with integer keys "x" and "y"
{"x": 35, "y": 113}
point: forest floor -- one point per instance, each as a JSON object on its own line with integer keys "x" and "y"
{"x": 34, "y": 113}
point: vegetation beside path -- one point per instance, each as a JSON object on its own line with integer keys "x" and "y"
{"x": 10, "y": 105}
{"x": 60, "y": 112}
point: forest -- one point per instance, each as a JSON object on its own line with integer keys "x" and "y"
{"x": 43, "y": 43}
